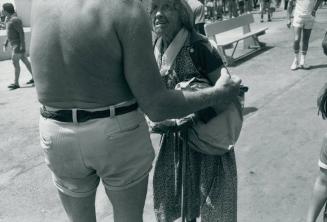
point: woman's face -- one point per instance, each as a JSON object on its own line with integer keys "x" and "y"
{"x": 165, "y": 18}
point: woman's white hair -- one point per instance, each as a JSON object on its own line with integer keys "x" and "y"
{"x": 185, "y": 13}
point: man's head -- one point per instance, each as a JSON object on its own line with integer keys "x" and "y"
{"x": 8, "y": 9}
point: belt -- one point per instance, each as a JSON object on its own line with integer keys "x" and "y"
{"x": 84, "y": 115}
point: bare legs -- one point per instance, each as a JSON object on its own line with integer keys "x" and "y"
{"x": 299, "y": 62}
{"x": 265, "y": 6}
{"x": 27, "y": 63}
{"x": 127, "y": 204}
{"x": 297, "y": 39}
{"x": 305, "y": 40}
{"x": 15, "y": 60}
{"x": 79, "y": 209}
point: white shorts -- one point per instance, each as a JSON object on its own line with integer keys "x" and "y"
{"x": 303, "y": 22}
{"x": 117, "y": 150}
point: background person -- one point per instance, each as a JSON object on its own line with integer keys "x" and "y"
{"x": 182, "y": 55}
{"x": 319, "y": 195}
{"x": 232, "y": 8}
{"x": 199, "y": 15}
{"x": 304, "y": 14}
{"x": 16, "y": 38}
{"x": 210, "y": 9}
{"x": 90, "y": 87}
{"x": 265, "y": 6}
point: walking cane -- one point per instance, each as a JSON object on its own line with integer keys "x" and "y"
{"x": 183, "y": 135}
{"x": 325, "y": 214}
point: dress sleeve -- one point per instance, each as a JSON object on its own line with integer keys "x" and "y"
{"x": 205, "y": 57}
{"x": 323, "y": 154}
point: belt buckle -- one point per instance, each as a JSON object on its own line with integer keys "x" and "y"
{"x": 112, "y": 110}
{"x": 74, "y": 115}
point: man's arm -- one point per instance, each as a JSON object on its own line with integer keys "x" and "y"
{"x": 315, "y": 8}
{"x": 143, "y": 76}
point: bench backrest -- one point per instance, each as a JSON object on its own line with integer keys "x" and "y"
{"x": 215, "y": 28}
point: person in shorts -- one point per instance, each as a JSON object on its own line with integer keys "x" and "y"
{"x": 16, "y": 38}
{"x": 303, "y": 20}
{"x": 96, "y": 76}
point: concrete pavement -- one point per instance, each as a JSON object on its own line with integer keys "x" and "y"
{"x": 277, "y": 152}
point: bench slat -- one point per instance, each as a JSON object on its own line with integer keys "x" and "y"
{"x": 224, "y": 26}
{"x": 240, "y": 37}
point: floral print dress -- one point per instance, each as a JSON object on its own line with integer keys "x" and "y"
{"x": 210, "y": 184}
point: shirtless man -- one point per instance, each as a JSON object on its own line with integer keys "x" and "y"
{"x": 92, "y": 61}
{"x": 16, "y": 38}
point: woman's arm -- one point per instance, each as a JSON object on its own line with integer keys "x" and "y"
{"x": 319, "y": 196}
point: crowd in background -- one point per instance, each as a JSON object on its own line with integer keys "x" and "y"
{"x": 217, "y": 9}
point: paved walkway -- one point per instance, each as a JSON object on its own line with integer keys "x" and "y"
{"x": 277, "y": 152}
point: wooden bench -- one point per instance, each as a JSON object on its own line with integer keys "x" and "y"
{"x": 249, "y": 37}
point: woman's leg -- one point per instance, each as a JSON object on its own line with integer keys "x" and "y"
{"x": 128, "y": 204}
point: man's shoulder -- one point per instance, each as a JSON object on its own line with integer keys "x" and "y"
{"x": 15, "y": 20}
{"x": 130, "y": 13}
{"x": 132, "y": 9}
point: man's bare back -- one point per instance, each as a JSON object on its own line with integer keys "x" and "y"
{"x": 77, "y": 55}
{"x": 90, "y": 54}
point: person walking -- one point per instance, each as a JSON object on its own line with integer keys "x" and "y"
{"x": 210, "y": 9}
{"x": 303, "y": 21}
{"x": 265, "y": 6}
{"x": 16, "y": 38}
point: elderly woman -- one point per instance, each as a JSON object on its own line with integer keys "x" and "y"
{"x": 211, "y": 180}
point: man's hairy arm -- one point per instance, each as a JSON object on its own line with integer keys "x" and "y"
{"x": 143, "y": 76}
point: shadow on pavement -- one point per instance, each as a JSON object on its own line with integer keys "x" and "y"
{"x": 248, "y": 110}
{"x": 250, "y": 56}
{"x": 318, "y": 66}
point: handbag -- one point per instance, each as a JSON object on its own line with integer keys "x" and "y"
{"x": 324, "y": 44}
{"x": 219, "y": 134}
